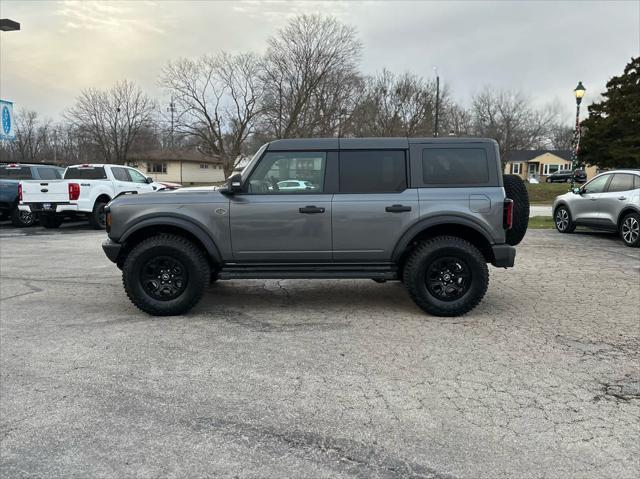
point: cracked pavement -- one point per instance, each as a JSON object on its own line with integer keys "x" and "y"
{"x": 320, "y": 378}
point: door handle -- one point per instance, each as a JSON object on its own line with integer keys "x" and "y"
{"x": 310, "y": 210}
{"x": 397, "y": 208}
{"x": 622, "y": 198}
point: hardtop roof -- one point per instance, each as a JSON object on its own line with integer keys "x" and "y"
{"x": 364, "y": 143}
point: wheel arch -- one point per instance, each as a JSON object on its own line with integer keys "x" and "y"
{"x": 171, "y": 225}
{"x": 102, "y": 196}
{"x": 464, "y": 228}
{"x": 625, "y": 211}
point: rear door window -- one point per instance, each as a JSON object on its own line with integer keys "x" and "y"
{"x": 49, "y": 173}
{"x": 85, "y": 173}
{"x": 120, "y": 174}
{"x": 16, "y": 172}
{"x": 373, "y": 171}
{"x": 621, "y": 182}
{"x": 455, "y": 166}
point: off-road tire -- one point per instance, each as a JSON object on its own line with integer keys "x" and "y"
{"x": 418, "y": 262}
{"x": 180, "y": 248}
{"x": 50, "y": 221}
{"x": 516, "y": 190}
{"x": 22, "y": 219}
{"x": 559, "y": 221}
{"x": 97, "y": 216}
{"x": 629, "y": 230}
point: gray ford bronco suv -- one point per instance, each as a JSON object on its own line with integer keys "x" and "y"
{"x": 428, "y": 212}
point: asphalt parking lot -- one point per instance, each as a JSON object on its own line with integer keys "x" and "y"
{"x": 320, "y": 378}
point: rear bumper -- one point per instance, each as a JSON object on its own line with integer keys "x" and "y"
{"x": 111, "y": 249}
{"x": 504, "y": 256}
{"x": 54, "y": 208}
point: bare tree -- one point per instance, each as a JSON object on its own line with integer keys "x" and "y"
{"x": 561, "y": 136}
{"x": 218, "y": 100}
{"x": 511, "y": 119}
{"x": 310, "y": 77}
{"x": 112, "y": 118}
{"x": 31, "y": 137}
{"x": 401, "y": 105}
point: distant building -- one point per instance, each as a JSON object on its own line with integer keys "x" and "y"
{"x": 187, "y": 167}
{"x": 539, "y": 164}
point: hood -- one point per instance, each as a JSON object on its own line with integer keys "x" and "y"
{"x": 201, "y": 194}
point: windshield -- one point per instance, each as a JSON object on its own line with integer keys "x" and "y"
{"x": 249, "y": 166}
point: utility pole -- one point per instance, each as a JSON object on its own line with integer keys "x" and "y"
{"x": 172, "y": 110}
{"x": 435, "y": 130}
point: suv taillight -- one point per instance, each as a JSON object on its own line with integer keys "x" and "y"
{"x": 507, "y": 214}
{"x": 74, "y": 191}
{"x": 19, "y": 191}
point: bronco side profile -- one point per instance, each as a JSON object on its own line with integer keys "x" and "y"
{"x": 431, "y": 213}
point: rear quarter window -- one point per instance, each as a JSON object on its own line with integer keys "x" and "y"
{"x": 455, "y": 166}
{"x": 79, "y": 173}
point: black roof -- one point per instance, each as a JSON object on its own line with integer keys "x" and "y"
{"x": 359, "y": 143}
{"x": 522, "y": 156}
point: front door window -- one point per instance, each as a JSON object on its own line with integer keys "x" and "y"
{"x": 290, "y": 172}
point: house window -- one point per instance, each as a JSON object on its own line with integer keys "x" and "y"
{"x": 204, "y": 166}
{"x": 515, "y": 168}
{"x": 156, "y": 167}
{"x": 550, "y": 169}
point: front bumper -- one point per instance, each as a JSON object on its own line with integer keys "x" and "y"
{"x": 52, "y": 208}
{"x": 111, "y": 249}
{"x": 504, "y": 255}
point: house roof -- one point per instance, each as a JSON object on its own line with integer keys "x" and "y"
{"x": 522, "y": 156}
{"x": 191, "y": 155}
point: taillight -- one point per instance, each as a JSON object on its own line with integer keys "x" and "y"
{"x": 507, "y": 215}
{"x": 19, "y": 191}
{"x": 74, "y": 191}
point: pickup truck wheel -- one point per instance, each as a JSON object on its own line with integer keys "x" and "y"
{"x": 165, "y": 275}
{"x": 22, "y": 218}
{"x": 50, "y": 221}
{"x": 98, "y": 218}
{"x": 446, "y": 276}
{"x": 516, "y": 190}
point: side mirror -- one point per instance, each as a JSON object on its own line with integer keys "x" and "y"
{"x": 577, "y": 191}
{"x": 149, "y": 180}
{"x": 234, "y": 184}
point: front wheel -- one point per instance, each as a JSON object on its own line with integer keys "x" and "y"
{"x": 165, "y": 275}
{"x": 446, "y": 276}
{"x": 22, "y": 219}
{"x": 563, "y": 221}
{"x": 630, "y": 230}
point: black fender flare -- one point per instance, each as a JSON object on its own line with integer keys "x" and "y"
{"x": 188, "y": 225}
{"x": 430, "y": 222}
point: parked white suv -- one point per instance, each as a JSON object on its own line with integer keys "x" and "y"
{"x": 85, "y": 190}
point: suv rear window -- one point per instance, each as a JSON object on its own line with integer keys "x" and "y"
{"x": 455, "y": 166}
{"x": 16, "y": 173}
{"x": 84, "y": 173}
{"x": 372, "y": 171}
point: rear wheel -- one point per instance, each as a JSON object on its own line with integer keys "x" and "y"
{"x": 630, "y": 230}
{"x": 21, "y": 218}
{"x": 516, "y": 190}
{"x": 165, "y": 275}
{"x": 98, "y": 218}
{"x": 563, "y": 221}
{"x": 50, "y": 221}
{"x": 446, "y": 276}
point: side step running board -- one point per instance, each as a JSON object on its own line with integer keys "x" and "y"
{"x": 309, "y": 271}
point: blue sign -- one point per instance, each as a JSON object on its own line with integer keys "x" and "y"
{"x": 6, "y": 118}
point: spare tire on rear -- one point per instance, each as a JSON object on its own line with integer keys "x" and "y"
{"x": 516, "y": 190}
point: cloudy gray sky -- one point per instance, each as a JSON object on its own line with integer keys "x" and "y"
{"x": 540, "y": 47}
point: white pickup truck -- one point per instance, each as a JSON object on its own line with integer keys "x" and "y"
{"x": 84, "y": 190}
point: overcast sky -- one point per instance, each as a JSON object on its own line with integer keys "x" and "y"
{"x": 542, "y": 48}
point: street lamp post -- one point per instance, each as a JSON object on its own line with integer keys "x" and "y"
{"x": 579, "y": 93}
